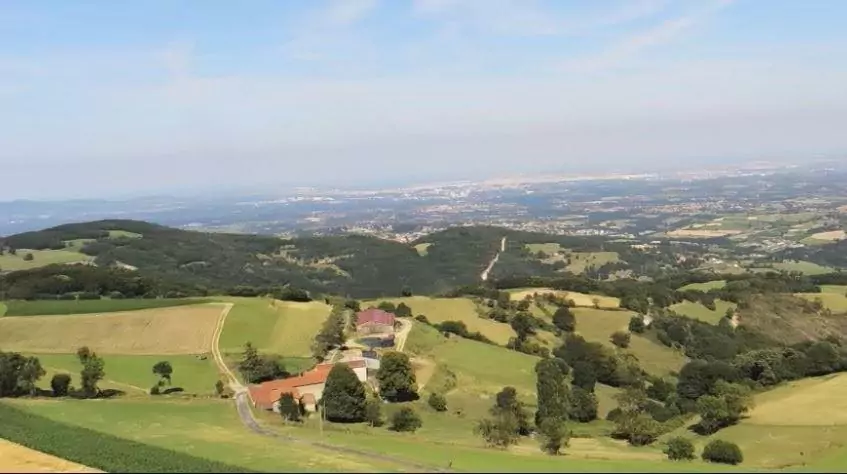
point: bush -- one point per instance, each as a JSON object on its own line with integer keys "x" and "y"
{"x": 636, "y": 324}
{"x": 723, "y": 452}
{"x": 60, "y": 383}
{"x": 155, "y": 390}
{"x": 405, "y": 420}
{"x": 621, "y": 339}
{"x": 437, "y": 402}
{"x": 680, "y": 449}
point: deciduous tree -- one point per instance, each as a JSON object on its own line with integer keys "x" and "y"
{"x": 396, "y": 378}
{"x": 344, "y": 396}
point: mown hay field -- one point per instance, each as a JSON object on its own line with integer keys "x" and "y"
{"x": 17, "y": 458}
{"x": 60, "y": 307}
{"x": 702, "y": 313}
{"x": 706, "y": 286}
{"x": 285, "y": 328}
{"x": 179, "y": 330}
{"x": 41, "y": 258}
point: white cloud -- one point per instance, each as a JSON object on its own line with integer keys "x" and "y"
{"x": 348, "y": 12}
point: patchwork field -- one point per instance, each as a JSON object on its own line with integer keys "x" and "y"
{"x": 702, "y": 233}
{"x": 580, "y": 299}
{"x": 195, "y": 374}
{"x": 826, "y": 237}
{"x": 179, "y": 330}
{"x": 698, "y": 311}
{"x": 280, "y": 327}
{"x": 40, "y": 258}
{"x": 438, "y": 310}
{"x": 17, "y": 458}
{"x": 579, "y": 261}
{"x": 597, "y": 325}
{"x": 709, "y": 285}
{"x": 54, "y": 307}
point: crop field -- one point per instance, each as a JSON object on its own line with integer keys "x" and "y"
{"x": 698, "y": 311}
{"x": 438, "y": 310}
{"x": 54, "y": 307}
{"x": 580, "y": 299}
{"x": 193, "y": 373}
{"x": 279, "y": 327}
{"x": 17, "y": 458}
{"x": 179, "y": 330}
{"x": 836, "y": 302}
{"x": 598, "y": 325}
{"x": 709, "y": 285}
{"x": 788, "y": 428}
{"x": 41, "y": 258}
{"x": 163, "y": 436}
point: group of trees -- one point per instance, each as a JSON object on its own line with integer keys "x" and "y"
{"x": 331, "y": 334}
{"x": 20, "y": 374}
{"x": 258, "y": 368}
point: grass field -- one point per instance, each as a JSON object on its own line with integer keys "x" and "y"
{"x": 192, "y": 373}
{"x": 597, "y": 325}
{"x": 422, "y": 249}
{"x": 54, "y": 307}
{"x": 807, "y": 268}
{"x": 841, "y": 289}
{"x": 205, "y": 429}
{"x": 788, "y": 428}
{"x": 17, "y": 458}
{"x": 280, "y": 327}
{"x": 698, "y": 311}
{"x": 709, "y": 285}
{"x": 41, "y": 258}
{"x": 3, "y": 309}
{"x": 579, "y": 260}
{"x": 836, "y": 302}
{"x": 178, "y": 330}
{"x": 438, "y": 310}
{"x": 580, "y": 299}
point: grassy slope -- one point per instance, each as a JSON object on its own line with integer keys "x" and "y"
{"x": 287, "y": 328}
{"x": 40, "y": 258}
{"x": 841, "y": 289}
{"x": 190, "y": 372}
{"x": 807, "y": 268}
{"x": 207, "y": 429}
{"x": 52, "y": 307}
{"x": 787, "y": 427}
{"x": 837, "y": 302}
{"x": 598, "y": 325}
{"x": 698, "y": 311}
{"x": 456, "y": 309}
{"x": 709, "y": 285}
{"x": 580, "y": 299}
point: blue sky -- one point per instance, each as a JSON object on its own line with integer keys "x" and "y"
{"x": 99, "y": 98}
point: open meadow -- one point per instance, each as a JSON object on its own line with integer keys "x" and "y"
{"x": 40, "y": 258}
{"x": 709, "y": 285}
{"x": 177, "y": 330}
{"x": 699, "y": 311}
{"x": 835, "y": 302}
{"x": 598, "y": 325}
{"x": 163, "y": 435}
{"x": 578, "y": 261}
{"x": 438, "y": 310}
{"x": 799, "y": 425}
{"x": 285, "y": 328}
{"x": 579, "y": 299}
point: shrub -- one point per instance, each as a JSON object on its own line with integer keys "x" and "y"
{"x": 636, "y": 324}
{"x": 289, "y": 408}
{"x": 373, "y": 412}
{"x": 680, "y": 449}
{"x": 621, "y": 339}
{"x": 155, "y": 390}
{"x": 723, "y": 452}
{"x": 406, "y": 419}
{"x": 60, "y": 383}
{"x": 437, "y": 402}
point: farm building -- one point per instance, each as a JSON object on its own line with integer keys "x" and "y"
{"x": 307, "y": 387}
{"x": 374, "y": 321}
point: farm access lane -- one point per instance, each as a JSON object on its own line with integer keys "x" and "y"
{"x": 242, "y": 405}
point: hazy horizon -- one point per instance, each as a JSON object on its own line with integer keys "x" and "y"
{"x": 105, "y": 99}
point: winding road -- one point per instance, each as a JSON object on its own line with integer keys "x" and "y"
{"x": 242, "y": 404}
{"x": 487, "y": 270}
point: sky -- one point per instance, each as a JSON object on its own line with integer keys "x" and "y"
{"x": 106, "y": 98}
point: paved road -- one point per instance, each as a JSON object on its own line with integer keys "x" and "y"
{"x": 242, "y": 404}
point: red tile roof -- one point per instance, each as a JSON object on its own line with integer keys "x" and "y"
{"x": 374, "y": 315}
{"x": 265, "y": 394}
